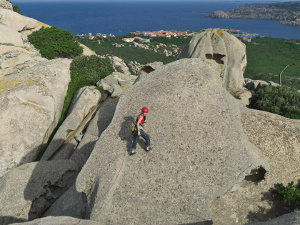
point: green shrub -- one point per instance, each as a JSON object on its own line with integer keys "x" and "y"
{"x": 55, "y": 43}
{"x": 85, "y": 71}
{"x": 281, "y": 100}
{"x": 289, "y": 194}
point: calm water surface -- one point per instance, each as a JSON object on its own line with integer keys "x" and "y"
{"x": 122, "y": 18}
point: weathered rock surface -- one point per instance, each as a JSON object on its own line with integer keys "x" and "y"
{"x": 118, "y": 64}
{"x": 279, "y": 140}
{"x": 27, "y": 191}
{"x": 31, "y": 104}
{"x": 94, "y": 130}
{"x": 74, "y": 203}
{"x": 287, "y": 219}
{"x": 124, "y": 80}
{"x": 134, "y": 66}
{"x": 15, "y": 59}
{"x": 59, "y": 220}
{"x": 4, "y": 4}
{"x": 83, "y": 106}
{"x": 200, "y": 150}
{"x": 138, "y": 45}
{"x": 228, "y": 51}
{"x": 111, "y": 85}
{"x": 18, "y": 22}
{"x": 71, "y": 203}
{"x": 255, "y": 85}
{"x": 10, "y": 36}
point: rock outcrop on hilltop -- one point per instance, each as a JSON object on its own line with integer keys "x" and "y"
{"x": 200, "y": 151}
{"x": 225, "y": 49}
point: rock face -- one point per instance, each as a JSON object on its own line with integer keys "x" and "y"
{"x": 200, "y": 150}
{"x": 279, "y": 140}
{"x": 22, "y": 24}
{"x": 228, "y": 51}
{"x": 255, "y": 85}
{"x": 288, "y": 219}
{"x": 73, "y": 203}
{"x": 4, "y": 4}
{"x": 83, "y": 106}
{"x": 94, "y": 130}
{"x": 31, "y": 102}
{"x": 118, "y": 64}
{"x": 60, "y": 220}
{"x": 27, "y": 191}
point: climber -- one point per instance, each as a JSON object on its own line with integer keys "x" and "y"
{"x": 139, "y": 131}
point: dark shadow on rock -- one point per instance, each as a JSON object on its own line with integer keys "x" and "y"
{"x": 125, "y": 131}
{"x": 43, "y": 195}
{"x": 277, "y": 208}
{"x": 208, "y": 222}
{"x": 9, "y": 219}
{"x": 91, "y": 199}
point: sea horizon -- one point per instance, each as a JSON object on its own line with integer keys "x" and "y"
{"x": 124, "y": 17}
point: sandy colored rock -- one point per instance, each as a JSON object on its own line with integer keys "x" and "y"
{"x": 125, "y": 80}
{"x": 4, "y": 4}
{"x": 199, "y": 150}
{"x": 10, "y": 36}
{"x": 111, "y": 85}
{"x": 16, "y": 21}
{"x": 83, "y": 106}
{"x": 30, "y": 189}
{"x": 279, "y": 140}
{"x": 228, "y": 51}
{"x": 118, "y": 64}
{"x": 31, "y": 104}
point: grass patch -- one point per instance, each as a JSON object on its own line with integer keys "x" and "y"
{"x": 267, "y": 57}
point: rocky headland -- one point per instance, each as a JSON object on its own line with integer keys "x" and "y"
{"x": 214, "y": 161}
{"x": 285, "y": 13}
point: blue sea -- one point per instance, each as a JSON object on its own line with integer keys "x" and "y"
{"x": 122, "y": 18}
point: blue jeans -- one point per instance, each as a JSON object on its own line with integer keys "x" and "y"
{"x": 137, "y": 137}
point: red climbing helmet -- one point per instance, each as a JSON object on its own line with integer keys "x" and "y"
{"x": 145, "y": 109}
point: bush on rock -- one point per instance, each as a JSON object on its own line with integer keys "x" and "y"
{"x": 289, "y": 194}
{"x": 281, "y": 100}
{"x": 55, "y": 43}
{"x": 85, "y": 71}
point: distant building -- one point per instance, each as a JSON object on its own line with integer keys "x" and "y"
{"x": 128, "y": 39}
{"x": 247, "y": 39}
